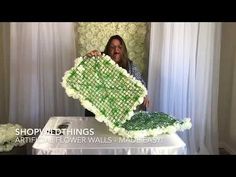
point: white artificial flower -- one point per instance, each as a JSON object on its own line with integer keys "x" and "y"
{"x": 80, "y": 68}
{"x": 132, "y": 54}
{"x": 89, "y": 35}
{"x": 132, "y": 29}
{"x": 78, "y": 60}
{"x": 8, "y": 136}
{"x": 177, "y": 125}
{"x": 187, "y": 124}
{"x": 82, "y": 41}
{"x": 101, "y": 35}
{"x": 170, "y": 129}
{"x": 9, "y": 146}
{"x": 88, "y": 47}
{"x": 93, "y": 42}
{"x": 101, "y": 48}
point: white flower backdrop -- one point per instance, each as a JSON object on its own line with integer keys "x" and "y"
{"x": 92, "y": 36}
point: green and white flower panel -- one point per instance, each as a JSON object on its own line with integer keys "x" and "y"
{"x": 95, "y": 35}
{"x": 112, "y": 95}
{"x": 104, "y": 88}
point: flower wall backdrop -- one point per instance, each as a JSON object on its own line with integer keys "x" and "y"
{"x": 92, "y": 36}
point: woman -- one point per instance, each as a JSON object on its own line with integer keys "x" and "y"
{"x": 117, "y": 50}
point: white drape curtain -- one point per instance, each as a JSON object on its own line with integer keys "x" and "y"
{"x": 40, "y": 53}
{"x": 184, "y": 76}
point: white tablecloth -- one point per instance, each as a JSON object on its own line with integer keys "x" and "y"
{"x": 100, "y": 140}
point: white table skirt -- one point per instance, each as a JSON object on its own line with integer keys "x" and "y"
{"x": 100, "y": 140}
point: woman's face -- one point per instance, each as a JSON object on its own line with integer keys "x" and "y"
{"x": 116, "y": 50}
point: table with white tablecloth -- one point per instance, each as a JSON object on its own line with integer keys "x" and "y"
{"x": 85, "y": 135}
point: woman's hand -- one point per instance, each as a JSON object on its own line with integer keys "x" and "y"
{"x": 94, "y": 53}
{"x": 146, "y": 102}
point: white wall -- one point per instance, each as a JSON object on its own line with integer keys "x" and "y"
{"x": 227, "y": 94}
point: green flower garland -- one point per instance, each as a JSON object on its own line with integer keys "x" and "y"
{"x": 112, "y": 95}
